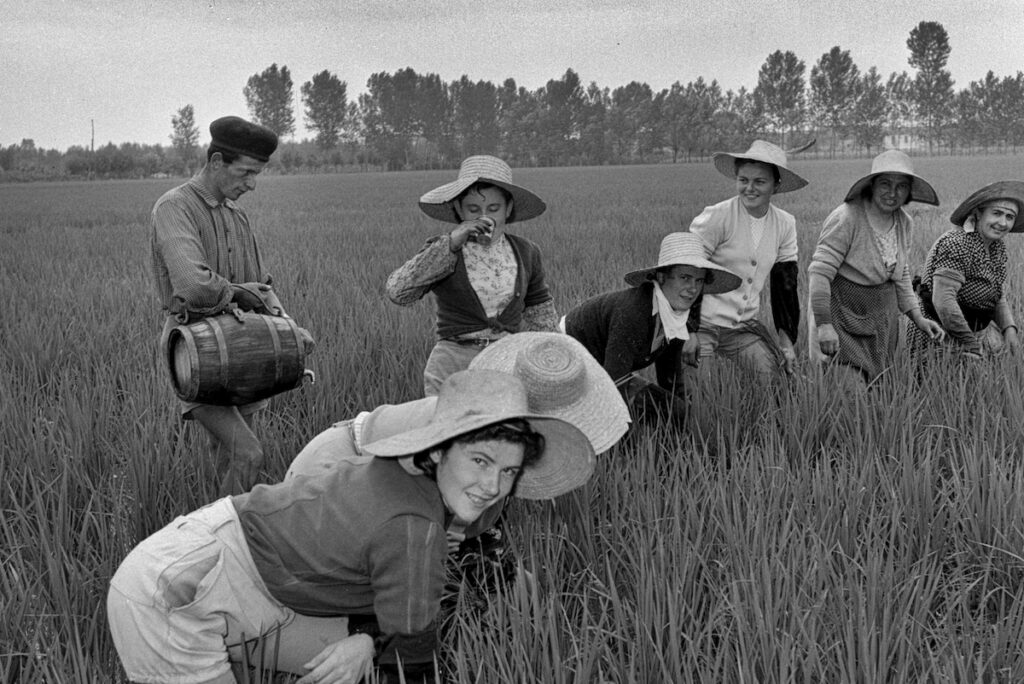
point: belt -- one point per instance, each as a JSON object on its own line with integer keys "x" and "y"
{"x": 473, "y": 341}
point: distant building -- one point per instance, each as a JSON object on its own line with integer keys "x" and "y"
{"x": 908, "y": 141}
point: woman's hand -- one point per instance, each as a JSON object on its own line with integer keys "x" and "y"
{"x": 343, "y": 662}
{"x": 931, "y": 328}
{"x": 788, "y": 353}
{"x": 691, "y": 350}
{"x": 470, "y": 230}
{"x": 828, "y": 339}
{"x": 1010, "y": 339}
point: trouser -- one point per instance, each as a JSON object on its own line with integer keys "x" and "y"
{"x": 189, "y": 599}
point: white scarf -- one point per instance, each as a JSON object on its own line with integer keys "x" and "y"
{"x": 673, "y": 322}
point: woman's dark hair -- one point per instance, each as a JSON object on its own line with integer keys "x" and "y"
{"x": 865, "y": 194}
{"x": 514, "y": 431}
{"x": 226, "y": 155}
{"x": 658, "y": 275}
{"x": 776, "y": 175}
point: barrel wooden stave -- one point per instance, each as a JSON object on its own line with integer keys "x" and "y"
{"x": 231, "y": 362}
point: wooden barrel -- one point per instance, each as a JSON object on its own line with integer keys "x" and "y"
{"x": 226, "y": 361}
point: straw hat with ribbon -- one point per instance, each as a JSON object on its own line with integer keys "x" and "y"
{"x": 687, "y": 249}
{"x": 760, "y": 151}
{"x": 564, "y": 380}
{"x": 484, "y": 169}
{"x": 1000, "y": 190}
{"x": 473, "y": 399}
{"x": 895, "y": 161}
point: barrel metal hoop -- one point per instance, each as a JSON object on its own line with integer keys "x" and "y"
{"x": 268, "y": 321}
{"x": 222, "y": 351}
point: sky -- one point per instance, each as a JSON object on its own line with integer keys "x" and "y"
{"x": 127, "y": 66}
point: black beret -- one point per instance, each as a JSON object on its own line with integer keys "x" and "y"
{"x": 235, "y": 134}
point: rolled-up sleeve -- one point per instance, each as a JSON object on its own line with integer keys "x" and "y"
{"x": 787, "y": 242}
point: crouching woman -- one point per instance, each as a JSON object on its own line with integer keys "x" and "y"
{"x": 342, "y": 570}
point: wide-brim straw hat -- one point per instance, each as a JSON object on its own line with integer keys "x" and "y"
{"x": 564, "y": 380}
{"x": 1007, "y": 189}
{"x": 895, "y": 161}
{"x": 388, "y": 420}
{"x": 761, "y": 151}
{"x": 474, "y": 399}
{"x": 487, "y": 169}
{"x": 687, "y": 249}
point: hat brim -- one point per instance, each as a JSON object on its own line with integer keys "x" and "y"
{"x": 599, "y": 411}
{"x": 566, "y": 463}
{"x": 438, "y": 202}
{"x": 723, "y": 280}
{"x": 920, "y": 189}
{"x": 1010, "y": 190}
{"x": 725, "y": 162}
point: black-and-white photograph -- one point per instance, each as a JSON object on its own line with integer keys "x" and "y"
{"x": 436, "y": 342}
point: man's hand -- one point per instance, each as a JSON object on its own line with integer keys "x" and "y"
{"x": 248, "y": 297}
{"x": 343, "y": 662}
{"x": 308, "y": 343}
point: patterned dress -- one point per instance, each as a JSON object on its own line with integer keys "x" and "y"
{"x": 981, "y": 268}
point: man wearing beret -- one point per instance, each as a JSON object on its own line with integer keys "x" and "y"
{"x": 205, "y": 262}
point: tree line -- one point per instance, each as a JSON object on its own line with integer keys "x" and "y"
{"x": 410, "y": 120}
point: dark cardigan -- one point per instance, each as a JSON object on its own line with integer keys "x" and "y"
{"x": 618, "y": 329}
{"x": 459, "y": 310}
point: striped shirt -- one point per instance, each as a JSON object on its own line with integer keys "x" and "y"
{"x": 199, "y": 248}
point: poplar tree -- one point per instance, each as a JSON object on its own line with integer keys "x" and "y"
{"x": 779, "y": 94}
{"x": 325, "y": 97}
{"x": 932, "y": 91}
{"x": 835, "y": 80}
{"x": 269, "y": 98}
{"x": 185, "y": 137}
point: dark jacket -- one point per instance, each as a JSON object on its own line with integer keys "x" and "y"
{"x": 618, "y": 329}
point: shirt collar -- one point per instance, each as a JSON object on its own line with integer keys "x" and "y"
{"x": 207, "y": 196}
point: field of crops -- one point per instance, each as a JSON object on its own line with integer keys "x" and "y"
{"x": 792, "y": 535}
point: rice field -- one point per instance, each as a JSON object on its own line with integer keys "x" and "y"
{"x": 794, "y": 534}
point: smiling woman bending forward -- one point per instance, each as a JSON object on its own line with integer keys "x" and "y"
{"x": 859, "y": 277}
{"x": 344, "y": 568}
{"x": 963, "y": 283}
